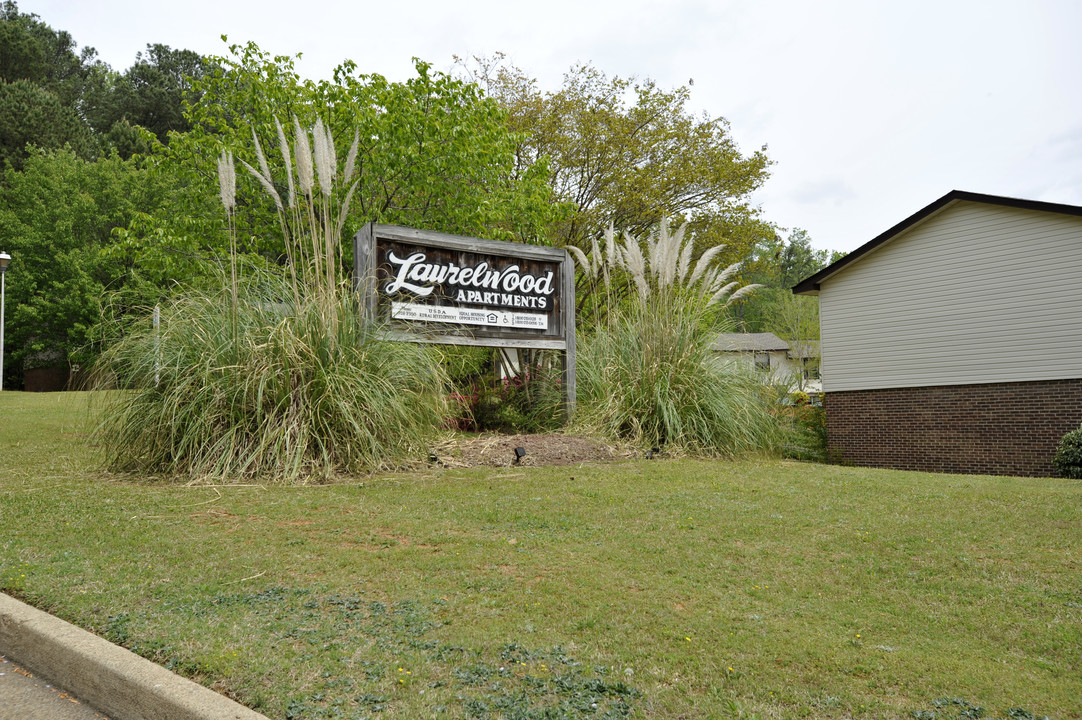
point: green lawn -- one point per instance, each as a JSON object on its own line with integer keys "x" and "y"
{"x": 660, "y": 589}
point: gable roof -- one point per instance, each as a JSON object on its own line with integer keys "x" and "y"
{"x": 810, "y": 285}
{"x": 749, "y": 342}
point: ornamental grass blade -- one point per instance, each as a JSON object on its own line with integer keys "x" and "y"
{"x": 636, "y": 264}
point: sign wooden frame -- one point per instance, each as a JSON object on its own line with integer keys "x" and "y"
{"x": 517, "y": 296}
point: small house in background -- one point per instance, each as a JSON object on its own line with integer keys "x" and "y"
{"x": 953, "y": 341}
{"x": 795, "y": 365}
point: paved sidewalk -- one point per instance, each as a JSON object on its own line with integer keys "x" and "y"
{"x": 25, "y": 697}
{"x": 105, "y": 676}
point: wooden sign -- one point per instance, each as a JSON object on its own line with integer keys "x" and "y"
{"x": 450, "y": 289}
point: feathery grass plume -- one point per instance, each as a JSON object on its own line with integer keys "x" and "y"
{"x": 668, "y": 245}
{"x": 581, "y": 259}
{"x": 685, "y": 254}
{"x": 227, "y": 187}
{"x": 635, "y": 264}
{"x": 611, "y": 258}
{"x": 742, "y": 292}
{"x": 227, "y": 180}
{"x": 283, "y": 146}
{"x": 351, "y": 156}
{"x": 261, "y": 158}
{"x": 704, "y": 263}
{"x": 728, "y": 272}
{"x": 595, "y": 251}
{"x": 721, "y": 292}
{"x": 652, "y": 256}
{"x": 303, "y": 153}
{"x": 265, "y": 181}
{"x": 325, "y": 157}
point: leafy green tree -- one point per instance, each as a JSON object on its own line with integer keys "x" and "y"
{"x": 52, "y": 94}
{"x": 58, "y": 216}
{"x": 782, "y": 263}
{"x": 778, "y": 264}
{"x": 152, "y": 93}
{"x": 42, "y": 79}
{"x": 31, "y": 50}
{"x": 627, "y": 152}
{"x": 31, "y": 115}
{"x": 432, "y": 152}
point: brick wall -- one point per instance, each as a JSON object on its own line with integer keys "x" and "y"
{"x": 996, "y": 429}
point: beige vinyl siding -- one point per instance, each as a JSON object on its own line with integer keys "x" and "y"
{"x": 976, "y": 293}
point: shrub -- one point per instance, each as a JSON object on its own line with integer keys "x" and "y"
{"x": 1068, "y": 458}
{"x": 807, "y": 434}
{"x": 290, "y": 389}
{"x": 530, "y": 402}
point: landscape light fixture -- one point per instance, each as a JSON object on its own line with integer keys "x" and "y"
{"x": 520, "y": 452}
{"x": 4, "y": 260}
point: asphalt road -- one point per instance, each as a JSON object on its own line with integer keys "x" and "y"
{"x": 25, "y": 697}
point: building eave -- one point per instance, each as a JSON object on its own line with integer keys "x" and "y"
{"x": 811, "y": 284}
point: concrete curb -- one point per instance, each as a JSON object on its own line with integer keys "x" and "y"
{"x": 107, "y": 677}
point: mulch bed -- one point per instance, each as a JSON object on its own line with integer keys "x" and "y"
{"x": 544, "y": 449}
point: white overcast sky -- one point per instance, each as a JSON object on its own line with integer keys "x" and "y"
{"x": 871, "y": 109}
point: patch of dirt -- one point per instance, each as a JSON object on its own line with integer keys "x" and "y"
{"x": 543, "y": 449}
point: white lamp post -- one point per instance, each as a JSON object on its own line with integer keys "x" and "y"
{"x": 4, "y": 260}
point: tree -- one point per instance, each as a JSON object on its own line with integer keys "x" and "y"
{"x": 782, "y": 263}
{"x": 778, "y": 264}
{"x": 629, "y": 153}
{"x": 31, "y": 115}
{"x": 42, "y": 79}
{"x": 432, "y": 152}
{"x": 31, "y": 50}
{"x": 64, "y": 265}
{"x": 152, "y": 93}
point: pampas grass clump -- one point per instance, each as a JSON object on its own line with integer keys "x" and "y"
{"x": 274, "y": 376}
{"x": 647, "y": 371}
{"x": 287, "y": 391}
{"x": 650, "y": 377}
